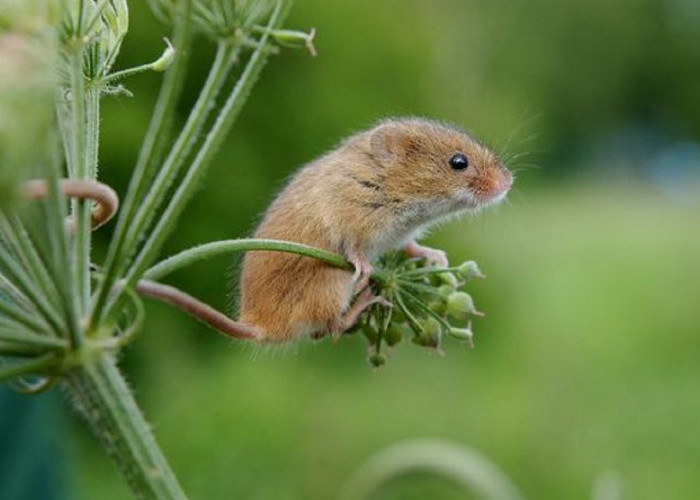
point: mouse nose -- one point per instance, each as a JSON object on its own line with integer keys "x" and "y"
{"x": 505, "y": 180}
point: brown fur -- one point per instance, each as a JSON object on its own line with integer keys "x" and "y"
{"x": 367, "y": 196}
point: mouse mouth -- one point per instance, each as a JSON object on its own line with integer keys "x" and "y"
{"x": 468, "y": 199}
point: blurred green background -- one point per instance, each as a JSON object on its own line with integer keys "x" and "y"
{"x": 587, "y": 361}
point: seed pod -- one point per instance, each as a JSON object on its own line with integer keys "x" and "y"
{"x": 394, "y": 334}
{"x": 432, "y": 331}
{"x": 465, "y": 334}
{"x": 460, "y": 306}
{"x": 446, "y": 290}
{"x": 438, "y": 306}
{"x": 449, "y": 279}
{"x": 165, "y": 59}
{"x": 296, "y": 39}
{"x": 377, "y": 359}
{"x": 469, "y": 270}
{"x": 370, "y": 333}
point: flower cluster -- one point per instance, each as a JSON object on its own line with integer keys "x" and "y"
{"x": 424, "y": 303}
{"x": 232, "y": 21}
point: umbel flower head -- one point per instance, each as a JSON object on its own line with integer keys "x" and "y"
{"x": 98, "y": 26}
{"x": 426, "y": 304}
{"x": 234, "y": 20}
{"x": 218, "y": 18}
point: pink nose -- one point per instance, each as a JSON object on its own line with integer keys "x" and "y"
{"x": 505, "y": 180}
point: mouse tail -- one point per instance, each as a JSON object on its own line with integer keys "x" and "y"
{"x": 203, "y": 312}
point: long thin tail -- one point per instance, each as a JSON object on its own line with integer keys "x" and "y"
{"x": 198, "y": 309}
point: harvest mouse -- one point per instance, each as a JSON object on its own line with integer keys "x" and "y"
{"x": 375, "y": 192}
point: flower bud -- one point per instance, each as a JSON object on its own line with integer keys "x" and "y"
{"x": 460, "y": 306}
{"x": 463, "y": 334}
{"x": 377, "y": 359}
{"x": 398, "y": 316}
{"x": 431, "y": 333}
{"x": 449, "y": 279}
{"x": 369, "y": 332}
{"x": 296, "y": 39}
{"x": 165, "y": 59}
{"x": 470, "y": 270}
{"x": 438, "y": 306}
{"x": 446, "y": 290}
{"x": 394, "y": 334}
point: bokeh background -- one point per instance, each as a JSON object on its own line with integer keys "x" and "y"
{"x": 587, "y": 362}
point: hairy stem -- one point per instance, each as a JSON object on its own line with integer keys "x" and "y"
{"x": 103, "y": 397}
{"x": 80, "y": 170}
{"x": 221, "y": 68}
{"x": 152, "y": 150}
{"x": 221, "y": 126}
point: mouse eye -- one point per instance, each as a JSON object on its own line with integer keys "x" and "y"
{"x": 459, "y": 161}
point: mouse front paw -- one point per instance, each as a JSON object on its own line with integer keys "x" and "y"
{"x": 433, "y": 256}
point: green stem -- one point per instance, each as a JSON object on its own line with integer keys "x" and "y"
{"x": 34, "y": 366}
{"x": 151, "y": 154}
{"x": 126, "y": 73}
{"x": 412, "y": 321}
{"x": 58, "y": 252}
{"x": 460, "y": 465}
{"x": 215, "y": 248}
{"x": 221, "y": 68}
{"x": 21, "y": 336}
{"x": 27, "y": 318}
{"x": 218, "y": 132}
{"x": 18, "y": 239}
{"x": 17, "y": 276}
{"x": 430, "y": 270}
{"x": 421, "y": 305}
{"x": 104, "y": 399}
{"x": 20, "y": 350}
{"x": 81, "y": 208}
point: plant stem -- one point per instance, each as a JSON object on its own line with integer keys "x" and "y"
{"x": 148, "y": 206}
{"x": 33, "y": 366}
{"x": 215, "y": 248}
{"x": 58, "y": 252}
{"x": 18, "y": 239}
{"x": 221, "y": 68}
{"x": 103, "y": 397}
{"x": 460, "y": 465}
{"x": 152, "y": 150}
{"x": 20, "y": 315}
{"x": 23, "y": 336}
{"x": 17, "y": 276}
{"x": 80, "y": 155}
{"x": 221, "y": 126}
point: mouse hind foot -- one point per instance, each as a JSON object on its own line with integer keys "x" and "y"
{"x": 363, "y": 301}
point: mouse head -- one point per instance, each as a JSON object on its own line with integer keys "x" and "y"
{"x": 438, "y": 163}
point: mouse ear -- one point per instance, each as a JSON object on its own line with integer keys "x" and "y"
{"x": 390, "y": 143}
